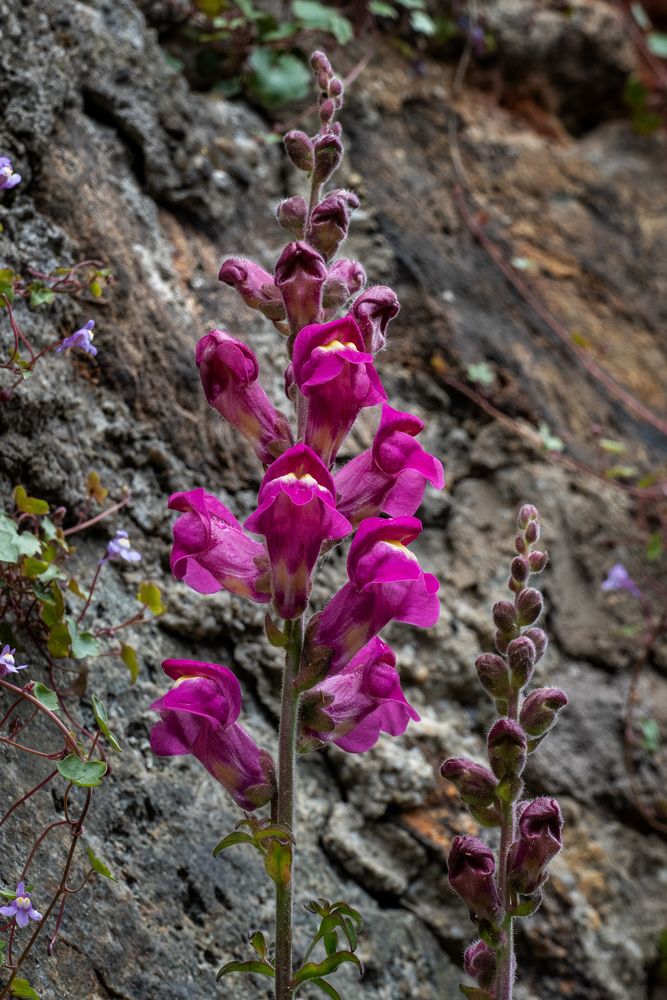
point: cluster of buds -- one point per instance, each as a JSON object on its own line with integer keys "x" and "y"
{"x": 347, "y": 679}
{"x": 496, "y": 890}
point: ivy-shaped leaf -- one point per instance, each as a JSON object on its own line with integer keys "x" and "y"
{"x": 82, "y": 643}
{"x": 84, "y": 773}
{"x": 46, "y": 696}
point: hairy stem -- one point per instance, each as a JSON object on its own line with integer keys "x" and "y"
{"x": 505, "y": 964}
{"x": 289, "y": 714}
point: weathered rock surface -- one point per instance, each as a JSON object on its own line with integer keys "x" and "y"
{"x": 122, "y": 162}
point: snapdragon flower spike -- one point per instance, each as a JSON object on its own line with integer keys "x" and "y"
{"x": 255, "y": 286}
{"x": 338, "y": 378}
{"x": 120, "y": 549}
{"x": 198, "y": 717}
{"x": 472, "y": 865}
{"x": 365, "y": 699}
{"x": 391, "y": 476}
{"x": 386, "y": 583}
{"x": 296, "y": 514}
{"x": 8, "y": 178}
{"x": 212, "y": 552}
{"x": 373, "y": 310}
{"x": 83, "y": 339}
{"x": 229, "y": 373}
{"x": 21, "y": 908}
{"x": 540, "y": 829}
{"x": 300, "y": 275}
{"x": 7, "y": 662}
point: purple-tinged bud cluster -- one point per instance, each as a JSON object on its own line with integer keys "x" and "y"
{"x": 530, "y": 831}
{"x": 8, "y": 177}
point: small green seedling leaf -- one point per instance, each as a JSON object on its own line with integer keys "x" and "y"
{"x": 128, "y": 655}
{"x": 22, "y": 988}
{"x": 84, "y": 773}
{"x": 149, "y": 595}
{"x": 46, "y": 697}
{"x": 99, "y": 866}
{"x": 29, "y": 505}
{"x": 102, "y": 720}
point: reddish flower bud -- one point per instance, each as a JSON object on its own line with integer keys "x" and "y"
{"x": 540, "y": 641}
{"x": 336, "y": 88}
{"x": 492, "y": 672}
{"x": 540, "y": 709}
{"x": 501, "y": 641}
{"x": 529, "y": 606}
{"x": 319, "y": 62}
{"x": 527, "y": 513}
{"x": 519, "y": 568}
{"x": 254, "y": 285}
{"x": 327, "y": 110}
{"x": 373, "y": 311}
{"x": 520, "y": 544}
{"x": 299, "y": 149}
{"x": 532, "y": 532}
{"x": 540, "y": 829}
{"x": 507, "y": 747}
{"x": 479, "y": 962}
{"x": 345, "y": 277}
{"x": 471, "y": 869}
{"x": 537, "y": 561}
{"x": 330, "y": 221}
{"x": 521, "y": 657}
{"x": 504, "y": 616}
{"x": 476, "y": 785}
{"x": 327, "y": 154}
{"x": 292, "y": 214}
{"x": 300, "y": 274}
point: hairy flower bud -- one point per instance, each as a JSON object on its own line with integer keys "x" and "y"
{"x": 300, "y": 274}
{"x": 299, "y": 149}
{"x": 532, "y": 532}
{"x": 504, "y": 616}
{"x": 479, "y": 962}
{"x": 330, "y": 220}
{"x": 255, "y": 286}
{"x": 471, "y": 867}
{"x": 521, "y": 657}
{"x": 492, "y": 672}
{"x": 373, "y": 311}
{"x": 520, "y": 544}
{"x": 529, "y": 606}
{"x": 540, "y": 709}
{"x": 539, "y": 639}
{"x": 507, "y": 747}
{"x": 476, "y": 785}
{"x": 537, "y": 561}
{"x": 319, "y": 62}
{"x": 519, "y": 568}
{"x": 292, "y": 214}
{"x": 540, "y": 829}
{"x": 527, "y": 513}
{"x": 327, "y": 156}
{"x": 336, "y": 88}
{"x": 327, "y": 110}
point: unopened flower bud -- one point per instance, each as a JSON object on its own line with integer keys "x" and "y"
{"x": 327, "y": 153}
{"x": 506, "y": 744}
{"x": 537, "y": 561}
{"x": 540, "y": 709}
{"x": 502, "y": 642}
{"x": 539, "y": 639}
{"x": 292, "y": 214}
{"x": 532, "y": 532}
{"x": 327, "y": 110}
{"x": 519, "y": 568}
{"x": 504, "y": 616}
{"x": 492, "y": 672}
{"x": 528, "y": 606}
{"x": 336, "y": 88}
{"x": 520, "y": 544}
{"x": 528, "y": 512}
{"x": 336, "y": 129}
{"x": 319, "y": 63}
{"x": 299, "y": 149}
{"x": 300, "y": 274}
{"x": 521, "y": 657}
{"x": 254, "y": 285}
{"x": 476, "y": 784}
{"x": 471, "y": 867}
{"x": 344, "y": 279}
{"x": 330, "y": 221}
{"x": 479, "y": 962}
{"x": 373, "y": 311}
{"x": 540, "y": 829}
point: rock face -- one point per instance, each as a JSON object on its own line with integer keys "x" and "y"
{"x": 120, "y": 161}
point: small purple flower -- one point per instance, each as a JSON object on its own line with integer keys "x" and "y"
{"x": 21, "y": 907}
{"x": 8, "y": 179}
{"x": 619, "y": 579}
{"x": 119, "y": 548}
{"x": 83, "y": 339}
{"x": 7, "y": 665}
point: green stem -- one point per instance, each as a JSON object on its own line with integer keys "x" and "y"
{"x": 289, "y": 717}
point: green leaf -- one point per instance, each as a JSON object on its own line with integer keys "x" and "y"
{"x": 95, "y": 288}
{"x": 277, "y": 78}
{"x": 49, "y": 529}
{"x": 149, "y": 595}
{"x": 40, "y": 294}
{"x": 258, "y": 942}
{"x": 84, "y": 773}
{"x": 621, "y": 472}
{"x": 474, "y": 993}
{"x": 102, "y": 720}
{"x": 381, "y": 9}
{"x": 654, "y": 546}
{"x": 22, "y": 988}
{"x": 231, "y": 840}
{"x": 99, "y": 866}
{"x": 657, "y": 44}
{"x": 59, "y": 640}
{"x": 612, "y": 447}
{"x": 32, "y": 567}
{"x": 549, "y": 440}
{"x": 411, "y": 4}
{"x": 315, "y": 970}
{"x": 528, "y": 906}
{"x": 29, "y": 505}
{"x": 316, "y": 17}
{"x": 422, "y": 23}
{"x": 275, "y": 635}
{"x": 128, "y": 655}
{"x": 46, "y": 696}
{"x": 482, "y": 373}
{"x": 278, "y": 862}
{"x": 327, "y": 988}
{"x": 82, "y": 643}
{"x": 14, "y": 544}
{"x": 259, "y": 968}
{"x": 650, "y": 735}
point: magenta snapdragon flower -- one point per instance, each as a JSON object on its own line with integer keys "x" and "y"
{"x": 120, "y": 549}
{"x": 300, "y": 275}
{"x": 229, "y": 373}
{"x": 8, "y": 178}
{"x": 7, "y": 663}
{"x": 365, "y": 699}
{"x": 296, "y": 514}
{"x": 21, "y": 907}
{"x": 373, "y": 310}
{"x": 198, "y": 717}
{"x": 212, "y": 552}
{"x": 618, "y": 578}
{"x": 83, "y": 339}
{"x": 472, "y": 867}
{"x": 540, "y": 839}
{"x": 391, "y": 476}
{"x": 386, "y": 583}
{"x": 338, "y": 378}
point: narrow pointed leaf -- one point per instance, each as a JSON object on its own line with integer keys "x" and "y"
{"x": 315, "y": 970}
{"x": 231, "y": 840}
{"x": 259, "y": 968}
